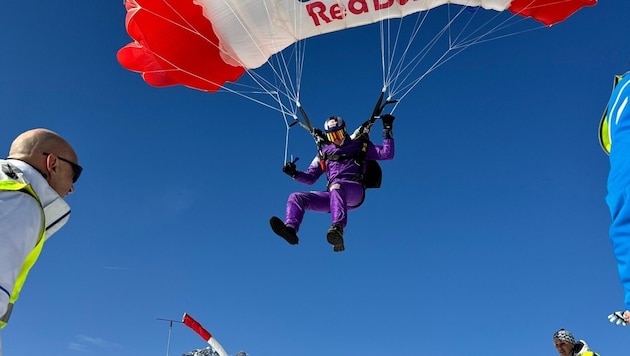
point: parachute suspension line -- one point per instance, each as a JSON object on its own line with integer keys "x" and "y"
{"x": 401, "y": 67}
{"x": 387, "y": 50}
{"x": 383, "y": 70}
{"x": 280, "y": 64}
{"x": 286, "y": 143}
{"x": 391, "y": 50}
{"x": 452, "y": 41}
{"x": 418, "y": 58}
{"x": 448, "y": 54}
{"x": 399, "y": 79}
{"x": 281, "y": 108}
{"x": 286, "y": 136}
{"x": 483, "y": 39}
{"x": 410, "y": 66}
{"x": 282, "y": 72}
{"x": 259, "y": 80}
{"x": 183, "y": 18}
{"x": 264, "y": 84}
{"x": 267, "y": 88}
{"x": 451, "y": 18}
{"x": 196, "y": 32}
{"x": 280, "y": 69}
{"x": 402, "y": 83}
{"x": 249, "y": 34}
{"x": 279, "y": 83}
{"x": 469, "y": 39}
{"x": 283, "y": 76}
{"x": 450, "y": 36}
{"x": 386, "y": 53}
{"x": 438, "y": 63}
{"x": 300, "y": 53}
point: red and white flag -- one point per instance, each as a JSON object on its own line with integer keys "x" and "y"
{"x": 205, "y": 334}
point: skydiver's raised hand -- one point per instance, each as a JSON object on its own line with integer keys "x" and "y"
{"x": 319, "y": 135}
{"x": 388, "y": 121}
{"x": 620, "y": 318}
{"x": 290, "y": 169}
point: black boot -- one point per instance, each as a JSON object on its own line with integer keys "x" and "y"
{"x": 286, "y": 232}
{"x": 335, "y": 237}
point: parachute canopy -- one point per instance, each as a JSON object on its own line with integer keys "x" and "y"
{"x": 203, "y": 44}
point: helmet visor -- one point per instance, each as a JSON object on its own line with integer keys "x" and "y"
{"x": 336, "y": 135}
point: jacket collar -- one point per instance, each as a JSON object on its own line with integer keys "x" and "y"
{"x": 56, "y": 210}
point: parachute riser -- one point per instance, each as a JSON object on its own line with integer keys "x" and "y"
{"x": 365, "y": 128}
{"x": 320, "y": 140}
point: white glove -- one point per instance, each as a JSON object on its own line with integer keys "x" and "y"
{"x": 617, "y": 318}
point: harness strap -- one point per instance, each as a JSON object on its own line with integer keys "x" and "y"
{"x": 358, "y": 157}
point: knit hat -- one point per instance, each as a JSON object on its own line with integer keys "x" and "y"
{"x": 564, "y": 335}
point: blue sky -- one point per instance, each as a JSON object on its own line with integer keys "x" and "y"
{"x": 489, "y": 233}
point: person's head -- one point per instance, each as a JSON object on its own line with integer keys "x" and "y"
{"x": 51, "y": 155}
{"x": 564, "y": 342}
{"x": 335, "y": 129}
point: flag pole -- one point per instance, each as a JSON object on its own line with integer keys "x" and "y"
{"x": 170, "y": 329}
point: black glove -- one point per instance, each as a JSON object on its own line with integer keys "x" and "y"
{"x": 290, "y": 169}
{"x": 388, "y": 121}
{"x": 319, "y": 135}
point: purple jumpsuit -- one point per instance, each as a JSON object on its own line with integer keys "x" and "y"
{"x": 343, "y": 192}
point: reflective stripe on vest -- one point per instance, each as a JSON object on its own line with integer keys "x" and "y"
{"x": 11, "y": 180}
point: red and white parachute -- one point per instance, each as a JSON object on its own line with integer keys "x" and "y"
{"x": 210, "y": 44}
{"x": 205, "y": 334}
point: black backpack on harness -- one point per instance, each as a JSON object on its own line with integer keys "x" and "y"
{"x": 373, "y": 175}
{"x": 372, "y": 172}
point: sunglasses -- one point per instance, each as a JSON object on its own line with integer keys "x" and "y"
{"x": 76, "y": 169}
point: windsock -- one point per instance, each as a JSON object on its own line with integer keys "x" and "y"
{"x": 205, "y": 334}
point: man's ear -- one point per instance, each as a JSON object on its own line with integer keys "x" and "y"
{"x": 51, "y": 164}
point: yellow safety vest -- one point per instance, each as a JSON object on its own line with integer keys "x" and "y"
{"x": 604, "y": 122}
{"x": 590, "y": 353}
{"x": 11, "y": 179}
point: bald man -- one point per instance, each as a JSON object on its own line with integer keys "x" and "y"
{"x": 40, "y": 171}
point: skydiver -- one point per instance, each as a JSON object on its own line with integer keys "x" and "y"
{"x": 340, "y": 158}
{"x": 615, "y": 139}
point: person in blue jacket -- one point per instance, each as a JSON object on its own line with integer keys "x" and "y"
{"x": 338, "y": 159}
{"x": 615, "y": 140}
